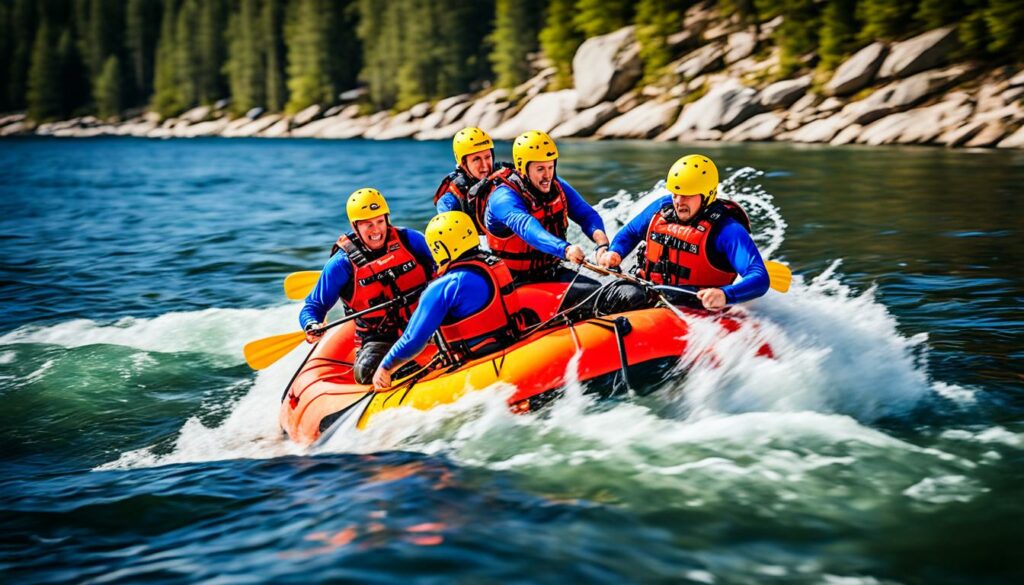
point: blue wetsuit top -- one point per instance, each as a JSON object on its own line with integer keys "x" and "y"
{"x": 458, "y": 293}
{"x": 507, "y": 213}
{"x": 338, "y": 272}
{"x": 731, "y": 242}
{"x": 449, "y": 202}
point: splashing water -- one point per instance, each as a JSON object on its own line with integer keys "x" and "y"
{"x": 839, "y": 362}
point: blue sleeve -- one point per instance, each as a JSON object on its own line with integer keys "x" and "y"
{"x": 448, "y": 202}
{"x": 418, "y": 247}
{"x": 635, "y": 231}
{"x": 507, "y": 211}
{"x": 736, "y": 244}
{"x": 335, "y": 275}
{"x": 581, "y": 212}
{"x": 458, "y": 293}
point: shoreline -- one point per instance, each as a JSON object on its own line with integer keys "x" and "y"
{"x": 906, "y": 93}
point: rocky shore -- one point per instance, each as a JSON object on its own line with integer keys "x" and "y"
{"x": 908, "y": 92}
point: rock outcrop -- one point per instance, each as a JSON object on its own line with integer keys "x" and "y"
{"x": 643, "y": 121}
{"x": 605, "y": 67}
{"x": 918, "y": 54}
{"x": 858, "y": 71}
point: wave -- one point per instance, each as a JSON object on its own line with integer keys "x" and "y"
{"x": 840, "y": 365}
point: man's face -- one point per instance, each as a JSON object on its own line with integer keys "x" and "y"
{"x": 479, "y": 164}
{"x": 686, "y": 206}
{"x": 540, "y": 174}
{"x": 372, "y": 231}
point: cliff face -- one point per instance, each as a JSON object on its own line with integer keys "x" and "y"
{"x": 724, "y": 87}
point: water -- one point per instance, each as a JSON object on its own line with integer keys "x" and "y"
{"x": 884, "y": 444}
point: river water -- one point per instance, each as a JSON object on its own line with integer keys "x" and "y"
{"x": 885, "y": 443}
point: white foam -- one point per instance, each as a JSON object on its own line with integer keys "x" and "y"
{"x": 840, "y": 363}
{"x": 213, "y": 331}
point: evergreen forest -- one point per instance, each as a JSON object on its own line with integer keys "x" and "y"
{"x": 60, "y": 58}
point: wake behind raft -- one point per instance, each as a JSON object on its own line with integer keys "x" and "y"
{"x": 323, "y": 395}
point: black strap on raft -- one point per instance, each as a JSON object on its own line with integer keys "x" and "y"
{"x": 621, "y": 327}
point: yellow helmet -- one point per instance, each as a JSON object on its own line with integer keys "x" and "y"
{"x": 694, "y": 174}
{"x": 450, "y": 235}
{"x": 469, "y": 141}
{"x": 533, "y": 146}
{"x": 365, "y": 203}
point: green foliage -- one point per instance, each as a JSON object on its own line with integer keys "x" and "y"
{"x": 798, "y": 34}
{"x": 208, "y": 38}
{"x": 140, "y": 41}
{"x": 23, "y": 29}
{"x": 559, "y": 40}
{"x": 107, "y": 90}
{"x": 43, "y": 98}
{"x": 5, "y": 56}
{"x": 272, "y": 33}
{"x": 838, "y": 33}
{"x": 167, "y": 99}
{"x": 883, "y": 19}
{"x": 516, "y": 29}
{"x": 306, "y": 38}
{"x": 599, "y": 17}
{"x": 655, "y": 21}
{"x": 245, "y": 66}
{"x": 1005, "y": 20}
{"x": 935, "y": 13}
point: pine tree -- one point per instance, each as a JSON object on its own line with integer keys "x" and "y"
{"x": 272, "y": 32}
{"x": 245, "y": 66}
{"x": 883, "y": 19}
{"x": 186, "y": 54}
{"x": 75, "y": 87}
{"x": 798, "y": 34}
{"x": 306, "y": 34}
{"x": 837, "y": 32}
{"x": 44, "y": 101}
{"x": 140, "y": 41}
{"x": 107, "y": 90}
{"x": 516, "y": 28}
{"x": 598, "y": 17}
{"x": 1005, "y": 20}
{"x": 210, "y": 51}
{"x": 559, "y": 40}
{"x": 167, "y": 100}
{"x": 23, "y": 29}
{"x": 655, "y": 21}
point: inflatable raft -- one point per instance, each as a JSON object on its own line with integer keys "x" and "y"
{"x": 322, "y": 396}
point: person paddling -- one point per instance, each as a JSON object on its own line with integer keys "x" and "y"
{"x": 526, "y": 220}
{"x": 474, "y": 160}
{"x": 472, "y": 303}
{"x": 691, "y": 238}
{"x": 369, "y": 266}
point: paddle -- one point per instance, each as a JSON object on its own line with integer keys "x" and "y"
{"x": 641, "y": 283}
{"x": 298, "y": 285}
{"x": 779, "y": 276}
{"x": 262, "y": 353}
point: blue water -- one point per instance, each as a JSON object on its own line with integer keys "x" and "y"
{"x": 884, "y": 444}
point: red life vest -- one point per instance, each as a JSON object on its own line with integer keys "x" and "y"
{"x": 493, "y": 327}
{"x": 553, "y": 214}
{"x": 677, "y": 253}
{"x": 468, "y": 192}
{"x": 396, "y": 272}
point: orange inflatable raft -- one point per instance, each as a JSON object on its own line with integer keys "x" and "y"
{"x": 323, "y": 395}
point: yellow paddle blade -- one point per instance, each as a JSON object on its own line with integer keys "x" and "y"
{"x": 779, "y": 275}
{"x": 262, "y": 353}
{"x": 298, "y": 285}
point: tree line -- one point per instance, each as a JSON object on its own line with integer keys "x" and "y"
{"x": 68, "y": 57}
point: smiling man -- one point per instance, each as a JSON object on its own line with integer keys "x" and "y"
{"x": 474, "y": 159}
{"x": 368, "y": 267}
{"x": 526, "y": 222}
{"x": 693, "y": 239}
